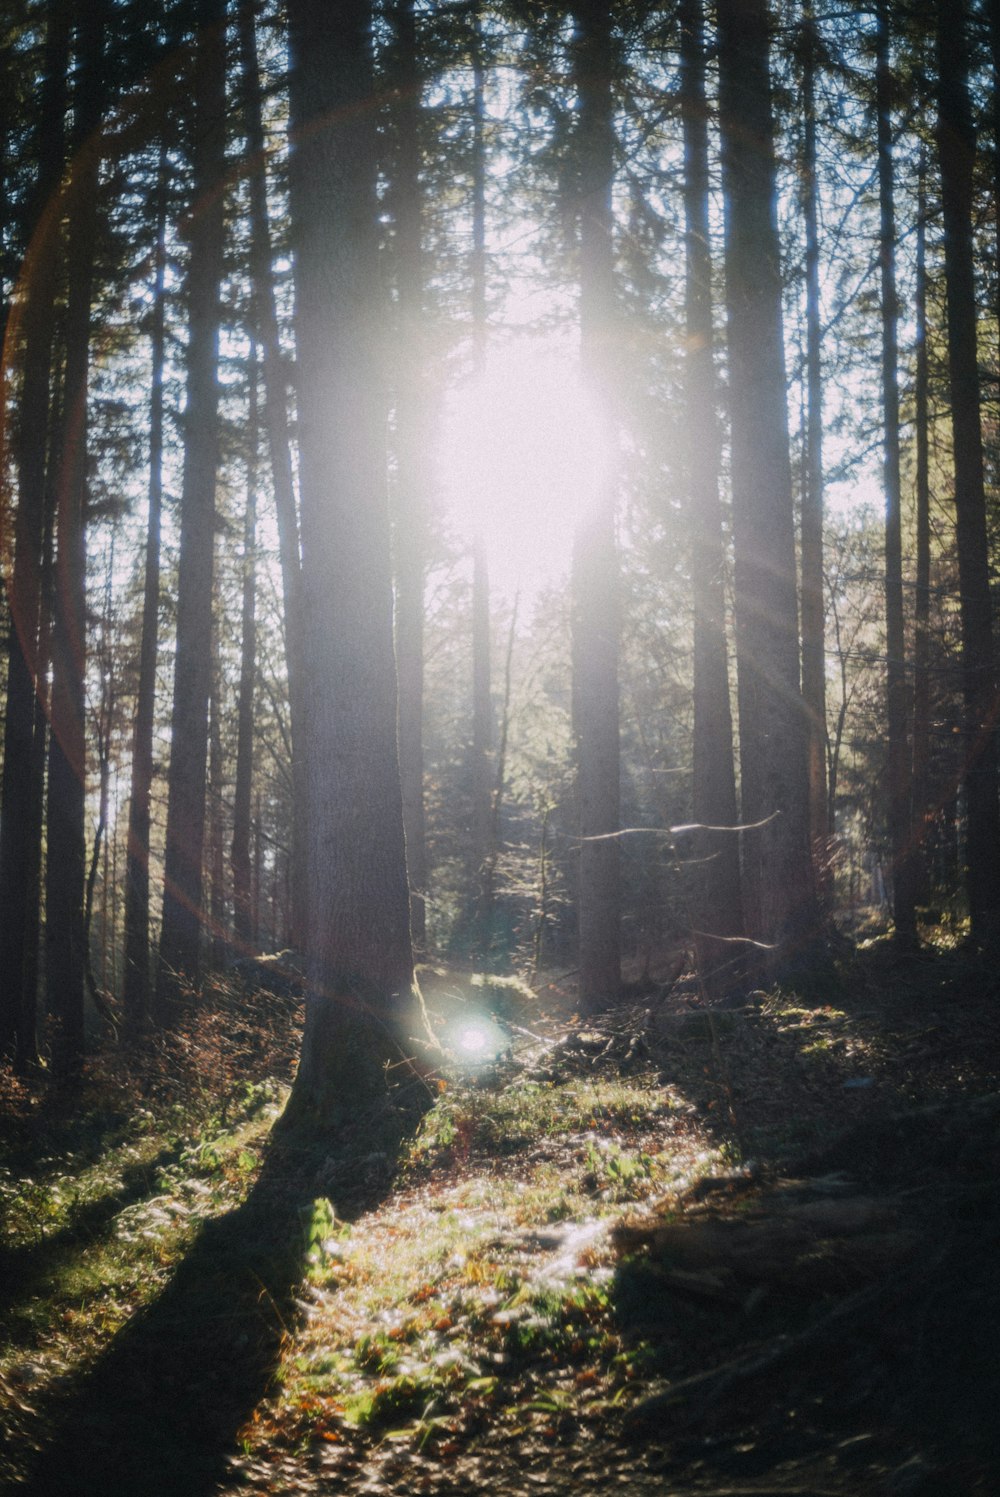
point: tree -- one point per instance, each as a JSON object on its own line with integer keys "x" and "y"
{"x": 265, "y": 318}
{"x": 595, "y": 565}
{"x": 180, "y": 939}
{"x": 360, "y": 962}
{"x": 24, "y": 724}
{"x": 778, "y": 885}
{"x": 813, "y": 611}
{"x": 719, "y": 911}
{"x": 899, "y": 788}
{"x": 412, "y": 440}
{"x": 956, "y": 155}
{"x": 66, "y": 861}
{"x": 137, "y": 970}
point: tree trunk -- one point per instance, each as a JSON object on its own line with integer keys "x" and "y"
{"x": 718, "y": 909}
{"x": 66, "y": 852}
{"x": 483, "y": 852}
{"x": 920, "y": 806}
{"x": 243, "y": 791}
{"x": 903, "y": 906}
{"x": 180, "y": 939}
{"x": 813, "y": 612}
{"x": 137, "y": 973}
{"x": 20, "y": 824}
{"x": 279, "y": 447}
{"x": 360, "y": 961}
{"x": 413, "y": 441}
{"x": 956, "y": 151}
{"x": 779, "y": 898}
{"x": 216, "y": 793}
{"x": 595, "y": 601}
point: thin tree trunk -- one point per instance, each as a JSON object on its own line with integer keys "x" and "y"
{"x": 243, "y": 791}
{"x": 813, "y": 612}
{"x": 216, "y": 833}
{"x": 412, "y": 431}
{"x": 595, "y": 607}
{"x": 718, "y": 908}
{"x": 360, "y": 959}
{"x": 482, "y": 665}
{"x": 920, "y": 807}
{"x": 903, "y": 906}
{"x": 956, "y": 151}
{"x": 20, "y": 824}
{"x": 279, "y": 447}
{"x": 183, "y": 911}
{"x": 778, "y": 891}
{"x": 66, "y": 853}
{"x": 137, "y": 971}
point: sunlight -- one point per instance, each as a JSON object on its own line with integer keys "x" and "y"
{"x": 522, "y": 454}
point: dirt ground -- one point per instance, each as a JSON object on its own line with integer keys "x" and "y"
{"x": 658, "y": 1251}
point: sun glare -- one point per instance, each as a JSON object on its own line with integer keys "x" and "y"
{"x": 523, "y": 453}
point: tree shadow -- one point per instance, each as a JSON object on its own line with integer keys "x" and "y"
{"x": 26, "y": 1270}
{"x": 160, "y": 1411}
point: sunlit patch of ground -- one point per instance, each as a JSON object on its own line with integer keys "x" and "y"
{"x": 491, "y": 1307}
{"x": 474, "y": 1307}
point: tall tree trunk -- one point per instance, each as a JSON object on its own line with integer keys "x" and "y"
{"x": 595, "y": 601}
{"x": 718, "y": 910}
{"x": 279, "y": 447}
{"x": 243, "y": 791}
{"x": 412, "y": 433}
{"x": 813, "y": 612}
{"x": 137, "y": 972}
{"x": 778, "y": 889}
{"x": 483, "y": 852}
{"x": 216, "y": 835}
{"x": 360, "y": 960}
{"x": 920, "y": 807}
{"x": 66, "y": 852}
{"x": 903, "y": 906}
{"x": 180, "y": 939}
{"x": 956, "y": 152}
{"x": 20, "y": 824}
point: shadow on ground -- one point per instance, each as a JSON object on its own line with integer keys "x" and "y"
{"x": 160, "y": 1411}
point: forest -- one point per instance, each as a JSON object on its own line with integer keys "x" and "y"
{"x": 500, "y": 792}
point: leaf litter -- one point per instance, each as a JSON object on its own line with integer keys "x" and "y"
{"x": 588, "y": 1272}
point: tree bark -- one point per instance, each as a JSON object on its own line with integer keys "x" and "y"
{"x": 180, "y": 940}
{"x": 66, "y": 851}
{"x": 595, "y": 599}
{"x": 903, "y": 906}
{"x": 718, "y": 909}
{"x": 279, "y": 447}
{"x": 483, "y": 851}
{"x": 413, "y": 441}
{"x": 243, "y": 790}
{"x": 21, "y": 823}
{"x": 137, "y": 972}
{"x": 920, "y": 805}
{"x": 956, "y": 154}
{"x": 813, "y": 611}
{"x": 778, "y": 891}
{"x": 360, "y": 961}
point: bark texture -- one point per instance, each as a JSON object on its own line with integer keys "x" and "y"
{"x": 359, "y": 952}
{"x": 595, "y": 596}
{"x": 956, "y": 154}
{"x": 718, "y": 911}
{"x": 778, "y": 888}
{"x": 183, "y": 912}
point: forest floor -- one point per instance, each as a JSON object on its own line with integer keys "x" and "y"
{"x": 656, "y": 1252}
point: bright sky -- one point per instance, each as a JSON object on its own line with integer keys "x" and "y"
{"x": 520, "y": 457}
